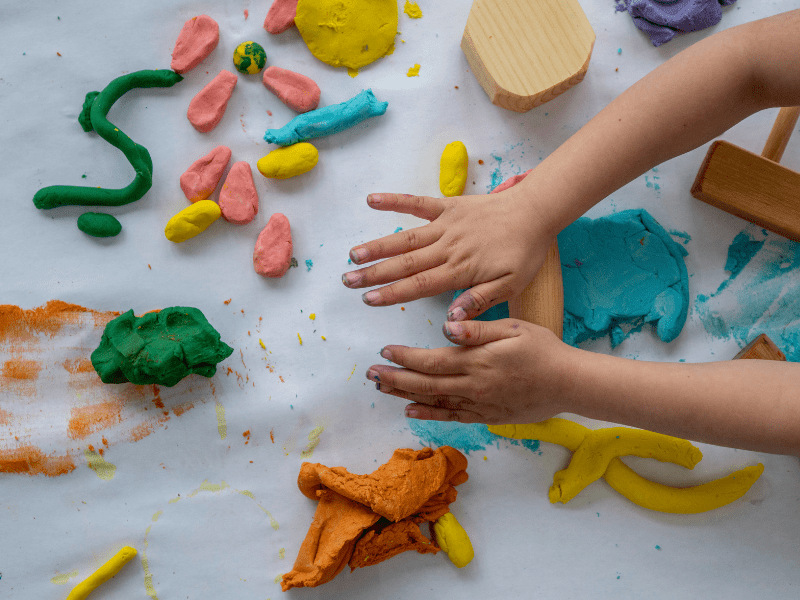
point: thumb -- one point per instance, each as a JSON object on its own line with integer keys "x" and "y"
{"x": 476, "y": 333}
{"x": 478, "y": 299}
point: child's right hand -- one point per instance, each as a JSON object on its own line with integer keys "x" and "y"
{"x": 491, "y": 244}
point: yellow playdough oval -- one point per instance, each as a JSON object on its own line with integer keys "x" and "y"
{"x": 453, "y": 539}
{"x": 192, "y": 220}
{"x": 288, "y": 161}
{"x": 347, "y": 33}
{"x": 453, "y": 169}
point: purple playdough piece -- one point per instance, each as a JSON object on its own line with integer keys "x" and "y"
{"x": 662, "y": 19}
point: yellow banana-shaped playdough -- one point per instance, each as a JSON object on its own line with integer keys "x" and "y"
{"x": 453, "y": 539}
{"x": 453, "y": 169}
{"x": 103, "y": 574}
{"x": 637, "y": 489}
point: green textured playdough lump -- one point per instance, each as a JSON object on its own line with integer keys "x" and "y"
{"x": 160, "y": 347}
{"x": 99, "y": 224}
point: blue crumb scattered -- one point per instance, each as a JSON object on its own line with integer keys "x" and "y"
{"x": 398, "y": 229}
{"x": 309, "y": 264}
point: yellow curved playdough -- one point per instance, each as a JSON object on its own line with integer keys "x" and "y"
{"x": 288, "y": 161}
{"x": 347, "y": 33}
{"x": 642, "y": 492}
{"x": 192, "y": 220}
{"x": 453, "y": 169}
{"x": 453, "y": 539}
{"x": 103, "y": 574}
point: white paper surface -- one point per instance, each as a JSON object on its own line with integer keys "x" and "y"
{"x": 240, "y": 518}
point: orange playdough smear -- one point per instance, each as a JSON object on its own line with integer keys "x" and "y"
{"x": 362, "y": 520}
{"x": 85, "y": 420}
{"x": 29, "y": 460}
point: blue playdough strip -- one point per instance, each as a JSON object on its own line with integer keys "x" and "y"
{"x": 327, "y": 120}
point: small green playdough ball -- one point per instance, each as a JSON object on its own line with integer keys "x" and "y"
{"x": 99, "y": 224}
{"x": 249, "y": 57}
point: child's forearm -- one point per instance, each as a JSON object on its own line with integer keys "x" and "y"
{"x": 687, "y": 101}
{"x": 748, "y": 404}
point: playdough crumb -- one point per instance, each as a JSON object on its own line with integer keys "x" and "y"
{"x": 249, "y": 58}
{"x": 413, "y": 71}
{"x": 200, "y": 180}
{"x": 412, "y": 10}
{"x": 288, "y": 161}
{"x": 103, "y": 574}
{"x": 99, "y": 224}
{"x": 273, "y": 252}
{"x": 298, "y": 92}
{"x": 238, "y": 198}
{"x": 197, "y": 39}
{"x": 280, "y": 16}
{"x": 453, "y": 169}
{"x": 208, "y": 106}
{"x": 191, "y": 221}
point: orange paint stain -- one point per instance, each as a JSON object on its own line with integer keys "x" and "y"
{"x": 21, "y": 369}
{"x": 281, "y": 378}
{"x": 272, "y": 435}
{"x": 105, "y": 441}
{"x": 141, "y": 431}
{"x": 5, "y": 417}
{"x": 246, "y": 433}
{"x": 86, "y": 420}
{"x": 228, "y": 301}
{"x": 29, "y": 460}
{"x": 157, "y": 397}
{"x": 182, "y": 408}
{"x": 22, "y": 325}
{"x": 78, "y": 365}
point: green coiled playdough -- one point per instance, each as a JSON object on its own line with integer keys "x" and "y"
{"x": 93, "y": 117}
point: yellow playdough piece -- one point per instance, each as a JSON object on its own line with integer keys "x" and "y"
{"x": 347, "y": 33}
{"x": 413, "y": 71}
{"x": 192, "y": 220}
{"x": 642, "y": 492}
{"x": 103, "y": 574}
{"x": 412, "y": 10}
{"x": 453, "y": 169}
{"x": 453, "y": 539}
{"x": 288, "y": 161}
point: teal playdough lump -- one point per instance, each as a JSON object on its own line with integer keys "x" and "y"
{"x": 160, "y": 347}
{"x": 620, "y": 272}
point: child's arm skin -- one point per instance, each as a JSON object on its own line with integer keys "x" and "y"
{"x": 513, "y": 372}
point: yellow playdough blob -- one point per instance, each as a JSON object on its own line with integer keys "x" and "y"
{"x": 103, "y": 574}
{"x": 413, "y": 71}
{"x": 453, "y": 169}
{"x": 643, "y": 492}
{"x": 192, "y": 220}
{"x": 453, "y": 539}
{"x": 347, "y": 33}
{"x": 288, "y": 161}
{"x": 412, "y": 10}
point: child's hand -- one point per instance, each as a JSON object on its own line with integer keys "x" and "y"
{"x": 502, "y": 372}
{"x": 493, "y": 244}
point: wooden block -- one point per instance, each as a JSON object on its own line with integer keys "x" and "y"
{"x": 542, "y": 302}
{"x": 761, "y": 348}
{"x": 751, "y": 187}
{"x": 526, "y": 52}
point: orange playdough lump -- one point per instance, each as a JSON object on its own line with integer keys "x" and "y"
{"x": 362, "y": 520}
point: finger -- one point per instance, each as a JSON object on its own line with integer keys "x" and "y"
{"x": 480, "y": 298}
{"x": 395, "y": 244}
{"x": 395, "y": 268}
{"x": 424, "y": 207}
{"x": 421, "y": 384}
{"x": 421, "y": 285}
{"x": 477, "y": 333}
{"x": 441, "y": 361}
{"x": 423, "y": 412}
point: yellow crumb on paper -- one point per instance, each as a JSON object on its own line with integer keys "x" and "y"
{"x": 156, "y": 515}
{"x": 63, "y": 578}
{"x": 323, "y": 338}
{"x": 282, "y": 553}
{"x": 312, "y": 316}
{"x": 351, "y": 372}
{"x": 262, "y": 344}
{"x": 352, "y": 72}
{"x": 413, "y": 10}
{"x": 313, "y": 442}
{"x": 413, "y": 71}
{"x": 278, "y": 578}
{"x": 222, "y": 425}
{"x": 299, "y": 338}
{"x": 209, "y": 487}
{"x": 104, "y": 469}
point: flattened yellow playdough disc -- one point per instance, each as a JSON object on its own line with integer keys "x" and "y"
{"x": 347, "y": 33}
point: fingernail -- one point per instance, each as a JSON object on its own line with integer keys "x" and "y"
{"x": 457, "y": 314}
{"x": 371, "y": 297}
{"x": 454, "y": 329}
{"x": 412, "y": 413}
{"x": 373, "y": 374}
{"x": 374, "y": 199}
{"x": 352, "y": 278}
{"x": 386, "y": 353}
{"x": 378, "y": 386}
{"x": 358, "y": 254}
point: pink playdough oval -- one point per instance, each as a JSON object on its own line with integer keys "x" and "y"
{"x": 208, "y": 106}
{"x": 238, "y": 199}
{"x": 273, "y": 252}
{"x": 280, "y": 16}
{"x": 296, "y": 91}
{"x": 197, "y": 39}
{"x": 201, "y": 179}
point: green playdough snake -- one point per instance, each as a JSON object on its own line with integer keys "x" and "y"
{"x": 93, "y": 117}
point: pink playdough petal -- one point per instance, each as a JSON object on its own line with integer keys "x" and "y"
{"x": 273, "y": 253}
{"x": 197, "y": 39}
{"x": 206, "y": 109}
{"x": 296, "y": 91}
{"x": 202, "y": 178}
{"x": 238, "y": 199}
{"x": 280, "y": 16}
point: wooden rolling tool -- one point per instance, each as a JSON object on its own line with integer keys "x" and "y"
{"x": 761, "y": 348}
{"x": 753, "y": 187}
{"x": 542, "y": 302}
{"x": 526, "y": 52}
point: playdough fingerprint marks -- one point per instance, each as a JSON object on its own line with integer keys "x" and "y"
{"x": 327, "y": 120}
{"x": 96, "y": 108}
{"x": 105, "y": 470}
{"x": 453, "y": 539}
{"x": 453, "y": 169}
{"x": 103, "y": 574}
{"x": 347, "y": 33}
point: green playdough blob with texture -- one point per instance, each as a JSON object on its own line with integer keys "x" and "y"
{"x": 159, "y": 347}
{"x": 99, "y": 224}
